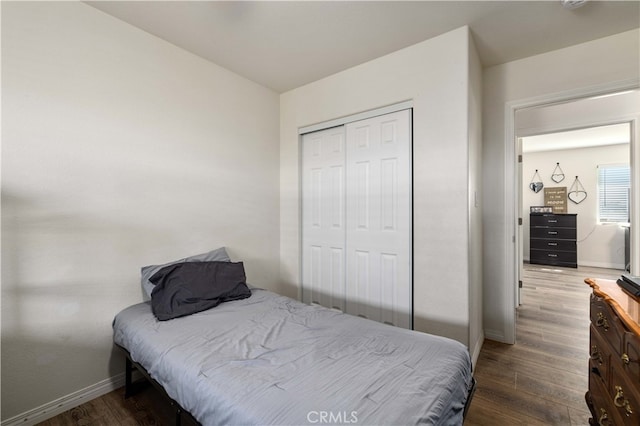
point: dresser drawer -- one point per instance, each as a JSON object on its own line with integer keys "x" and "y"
{"x": 599, "y": 357}
{"x": 604, "y": 412}
{"x": 549, "y": 257}
{"x": 608, "y": 324}
{"x": 545, "y": 244}
{"x": 553, "y": 220}
{"x": 625, "y": 397}
{"x": 630, "y": 357}
{"x": 553, "y": 233}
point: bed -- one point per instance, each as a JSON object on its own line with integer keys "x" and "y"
{"x": 270, "y": 360}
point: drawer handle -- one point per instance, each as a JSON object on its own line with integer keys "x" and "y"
{"x": 625, "y": 359}
{"x": 619, "y": 398}
{"x": 552, "y": 221}
{"x": 552, "y": 244}
{"x": 595, "y": 354}
{"x": 602, "y": 321}
{"x": 627, "y": 408}
{"x": 604, "y": 417}
{"x": 552, "y": 232}
{"x": 620, "y": 401}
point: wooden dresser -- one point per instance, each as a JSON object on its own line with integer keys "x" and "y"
{"x": 614, "y": 364}
{"x": 552, "y": 239}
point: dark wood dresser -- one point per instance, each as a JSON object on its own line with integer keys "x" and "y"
{"x": 614, "y": 364}
{"x": 552, "y": 239}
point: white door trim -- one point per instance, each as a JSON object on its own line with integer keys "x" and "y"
{"x": 511, "y": 199}
{"x": 356, "y": 117}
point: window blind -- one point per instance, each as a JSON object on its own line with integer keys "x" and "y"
{"x": 614, "y": 182}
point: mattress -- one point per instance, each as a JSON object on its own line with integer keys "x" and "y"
{"x": 269, "y": 359}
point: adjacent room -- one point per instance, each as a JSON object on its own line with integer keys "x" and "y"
{"x": 353, "y": 162}
{"x": 590, "y": 162}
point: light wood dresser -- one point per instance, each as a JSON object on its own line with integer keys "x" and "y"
{"x": 614, "y": 364}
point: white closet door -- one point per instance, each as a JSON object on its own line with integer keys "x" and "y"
{"x": 379, "y": 219}
{"x": 323, "y": 218}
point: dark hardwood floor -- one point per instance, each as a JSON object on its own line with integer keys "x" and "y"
{"x": 541, "y": 380}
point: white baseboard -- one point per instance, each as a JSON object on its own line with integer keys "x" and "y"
{"x": 65, "y": 403}
{"x": 602, "y": 265}
{"x": 607, "y": 265}
{"x": 495, "y": 335}
{"x": 476, "y": 353}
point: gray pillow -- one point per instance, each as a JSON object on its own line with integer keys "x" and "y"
{"x": 190, "y": 287}
{"x": 147, "y": 272}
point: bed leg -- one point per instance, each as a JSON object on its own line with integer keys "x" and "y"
{"x": 178, "y": 416}
{"x": 127, "y": 378}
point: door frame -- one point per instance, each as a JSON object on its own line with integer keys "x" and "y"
{"x": 512, "y": 211}
{"x": 356, "y": 117}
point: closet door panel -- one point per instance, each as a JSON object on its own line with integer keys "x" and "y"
{"x": 360, "y": 194}
{"x": 356, "y": 218}
{"x": 378, "y": 214}
{"x": 323, "y": 218}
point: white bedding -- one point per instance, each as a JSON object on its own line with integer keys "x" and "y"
{"x": 269, "y": 359}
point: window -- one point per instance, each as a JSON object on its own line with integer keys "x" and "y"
{"x": 614, "y": 182}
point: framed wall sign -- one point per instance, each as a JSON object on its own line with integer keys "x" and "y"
{"x": 556, "y": 197}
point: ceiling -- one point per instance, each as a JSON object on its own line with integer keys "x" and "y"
{"x": 583, "y": 138}
{"x": 286, "y": 44}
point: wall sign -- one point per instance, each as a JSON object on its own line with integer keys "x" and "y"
{"x": 556, "y": 197}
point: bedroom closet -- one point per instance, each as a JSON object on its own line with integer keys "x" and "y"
{"x": 357, "y": 218}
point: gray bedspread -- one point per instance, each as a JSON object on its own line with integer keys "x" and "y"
{"x": 269, "y": 359}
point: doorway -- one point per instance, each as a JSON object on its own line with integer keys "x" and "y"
{"x": 554, "y": 113}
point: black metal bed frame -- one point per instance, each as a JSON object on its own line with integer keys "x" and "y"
{"x": 131, "y": 387}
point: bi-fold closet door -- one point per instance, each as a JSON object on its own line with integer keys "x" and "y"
{"x": 357, "y": 218}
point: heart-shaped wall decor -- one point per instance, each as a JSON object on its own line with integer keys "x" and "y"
{"x": 558, "y": 174}
{"x": 577, "y": 196}
{"x": 536, "y": 186}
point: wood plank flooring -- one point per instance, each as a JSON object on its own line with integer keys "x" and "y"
{"x": 541, "y": 380}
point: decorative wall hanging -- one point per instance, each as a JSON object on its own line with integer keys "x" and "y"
{"x": 577, "y": 194}
{"x": 558, "y": 175}
{"x": 541, "y": 209}
{"x": 536, "y": 185}
{"x": 556, "y": 197}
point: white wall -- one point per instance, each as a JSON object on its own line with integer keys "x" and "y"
{"x": 599, "y": 245}
{"x": 435, "y": 75}
{"x": 476, "y": 330}
{"x": 118, "y": 150}
{"x": 610, "y": 59}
